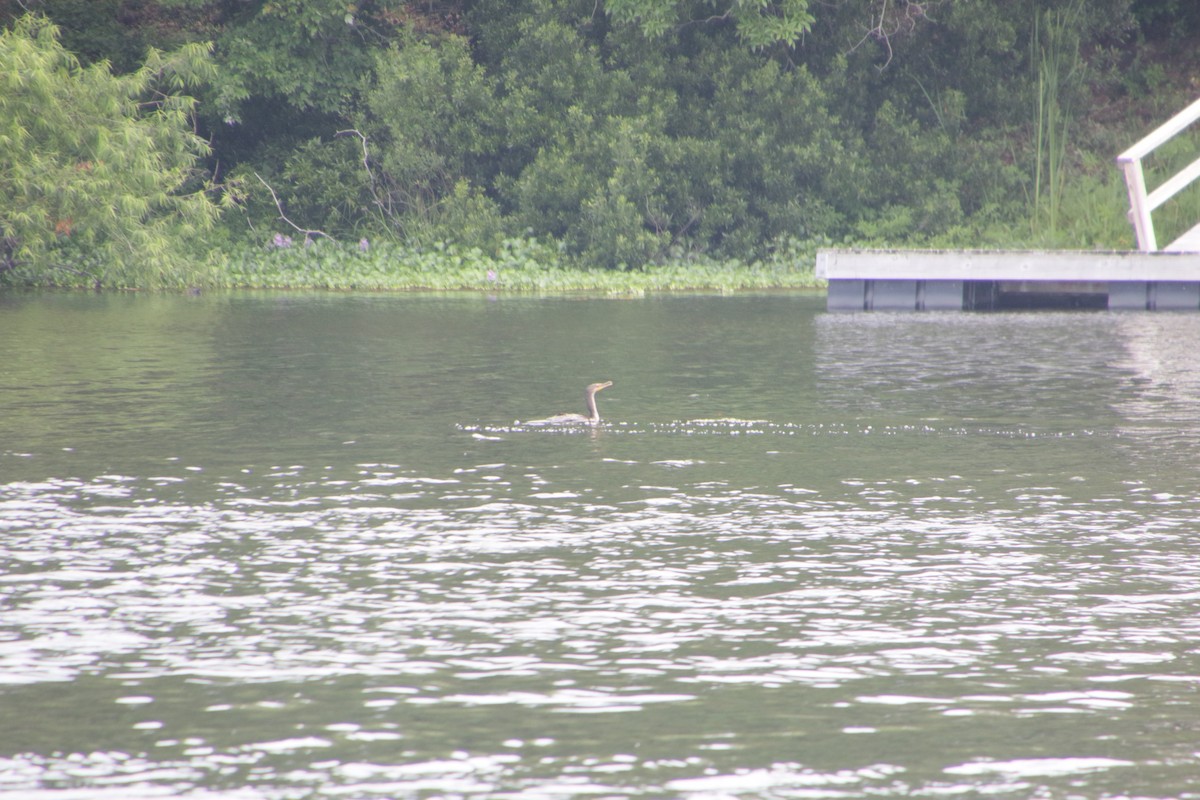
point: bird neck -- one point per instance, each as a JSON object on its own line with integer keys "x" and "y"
{"x": 589, "y": 398}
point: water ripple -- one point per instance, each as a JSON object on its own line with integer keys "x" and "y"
{"x": 503, "y": 587}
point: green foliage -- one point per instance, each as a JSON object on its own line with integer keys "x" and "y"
{"x": 551, "y": 78}
{"x": 593, "y": 190}
{"x": 320, "y": 184}
{"x": 1173, "y": 19}
{"x": 914, "y": 178}
{"x": 655, "y": 130}
{"x": 92, "y": 30}
{"x": 466, "y": 216}
{"x": 760, "y": 23}
{"x": 431, "y": 111}
{"x": 630, "y": 134}
{"x": 713, "y": 150}
{"x": 785, "y": 166}
{"x": 517, "y": 265}
{"x": 314, "y": 53}
{"x": 98, "y": 171}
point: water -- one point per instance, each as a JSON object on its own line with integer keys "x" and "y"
{"x": 296, "y": 546}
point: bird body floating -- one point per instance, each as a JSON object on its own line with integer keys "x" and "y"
{"x": 589, "y": 401}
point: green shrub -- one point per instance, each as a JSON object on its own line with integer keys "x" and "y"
{"x": 98, "y": 172}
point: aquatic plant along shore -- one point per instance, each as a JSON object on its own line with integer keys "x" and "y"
{"x": 518, "y": 266}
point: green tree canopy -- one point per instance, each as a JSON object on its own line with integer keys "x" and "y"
{"x": 98, "y": 171}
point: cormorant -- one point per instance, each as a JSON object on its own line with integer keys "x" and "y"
{"x": 589, "y": 400}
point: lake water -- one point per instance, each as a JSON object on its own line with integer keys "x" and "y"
{"x": 295, "y": 546}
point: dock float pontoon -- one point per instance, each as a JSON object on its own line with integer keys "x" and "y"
{"x": 981, "y": 280}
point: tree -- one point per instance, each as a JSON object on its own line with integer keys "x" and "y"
{"x": 98, "y": 172}
{"x": 431, "y": 106}
{"x": 311, "y": 54}
{"x": 760, "y": 23}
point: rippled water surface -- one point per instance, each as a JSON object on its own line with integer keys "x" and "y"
{"x": 294, "y": 546}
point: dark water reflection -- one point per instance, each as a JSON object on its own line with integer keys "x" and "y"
{"x": 292, "y": 546}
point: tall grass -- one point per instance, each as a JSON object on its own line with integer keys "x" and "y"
{"x": 1058, "y": 64}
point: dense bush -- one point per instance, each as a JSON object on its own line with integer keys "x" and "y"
{"x": 636, "y": 132}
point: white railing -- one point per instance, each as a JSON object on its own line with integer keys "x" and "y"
{"x": 1142, "y": 203}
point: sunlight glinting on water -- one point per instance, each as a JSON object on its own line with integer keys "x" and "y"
{"x": 351, "y": 582}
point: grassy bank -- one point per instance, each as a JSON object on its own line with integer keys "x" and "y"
{"x": 518, "y": 266}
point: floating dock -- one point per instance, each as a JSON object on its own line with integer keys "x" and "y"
{"x": 983, "y": 280}
{"x": 1148, "y": 279}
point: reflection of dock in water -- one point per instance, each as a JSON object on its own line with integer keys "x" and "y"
{"x": 1159, "y": 354}
{"x": 1147, "y": 279}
